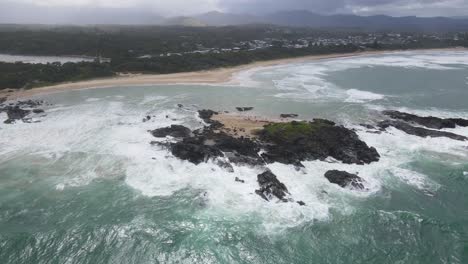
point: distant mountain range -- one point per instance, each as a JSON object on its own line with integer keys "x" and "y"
{"x": 25, "y": 14}
{"x": 302, "y": 18}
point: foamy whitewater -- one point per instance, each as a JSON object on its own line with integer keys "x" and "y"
{"x": 84, "y": 184}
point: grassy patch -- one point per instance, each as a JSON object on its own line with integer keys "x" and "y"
{"x": 293, "y": 129}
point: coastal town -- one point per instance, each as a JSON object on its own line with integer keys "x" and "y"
{"x": 362, "y": 41}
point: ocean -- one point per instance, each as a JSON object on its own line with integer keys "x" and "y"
{"x": 84, "y": 184}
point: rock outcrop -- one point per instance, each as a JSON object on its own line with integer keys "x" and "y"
{"x": 288, "y": 143}
{"x": 206, "y": 145}
{"x": 271, "y": 187}
{"x": 176, "y": 131}
{"x": 289, "y": 115}
{"x": 427, "y": 121}
{"x": 419, "y": 131}
{"x": 20, "y": 110}
{"x": 206, "y": 116}
{"x": 293, "y": 142}
{"x": 15, "y": 113}
{"x": 344, "y": 179}
{"x": 244, "y": 109}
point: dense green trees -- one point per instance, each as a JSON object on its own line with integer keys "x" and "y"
{"x": 19, "y": 75}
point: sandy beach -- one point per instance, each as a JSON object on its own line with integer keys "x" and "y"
{"x": 217, "y": 76}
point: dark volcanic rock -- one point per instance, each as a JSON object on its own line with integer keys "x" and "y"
{"x": 301, "y": 203}
{"x": 344, "y": 179}
{"x": 288, "y": 143}
{"x": 460, "y": 121}
{"x": 38, "y": 111}
{"x": 368, "y": 126}
{"x": 146, "y": 119}
{"x": 15, "y": 113}
{"x": 427, "y": 121}
{"x": 244, "y": 109}
{"x": 419, "y": 131}
{"x": 206, "y": 116}
{"x": 225, "y": 165}
{"x": 254, "y": 160}
{"x": 29, "y": 103}
{"x": 226, "y": 143}
{"x": 293, "y": 142}
{"x": 194, "y": 150}
{"x": 271, "y": 187}
{"x": 176, "y": 131}
{"x": 239, "y": 180}
{"x": 289, "y": 115}
{"x": 206, "y": 144}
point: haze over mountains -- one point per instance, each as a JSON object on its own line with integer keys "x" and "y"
{"x": 302, "y": 18}
{"x": 294, "y": 18}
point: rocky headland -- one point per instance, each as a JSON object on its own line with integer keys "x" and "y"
{"x": 251, "y": 141}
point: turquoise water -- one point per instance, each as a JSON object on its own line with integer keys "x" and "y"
{"x": 85, "y": 186}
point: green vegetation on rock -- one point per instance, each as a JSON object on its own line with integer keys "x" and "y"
{"x": 293, "y": 130}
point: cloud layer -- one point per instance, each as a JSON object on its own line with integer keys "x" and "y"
{"x": 62, "y": 11}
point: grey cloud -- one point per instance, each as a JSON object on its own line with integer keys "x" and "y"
{"x": 391, "y": 7}
{"x": 147, "y": 11}
{"x": 268, "y": 6}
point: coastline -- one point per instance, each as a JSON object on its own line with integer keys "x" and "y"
{"x": 215, "y": 76}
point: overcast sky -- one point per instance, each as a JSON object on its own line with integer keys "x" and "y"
{"x": 60, "y": 11}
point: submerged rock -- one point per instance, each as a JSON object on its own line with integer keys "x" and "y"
{"x": 225, "y": 165}
{"x": 419, "y": 131}
{"x": 293, "y": 142}
{"x": 176, "y": 131}
{"x": 271, "y": 187}
{"x": 368, "y": 126}
{"x": 344, "y": 179}
{"x": 239, "y": 180}
{"x": 146, "y": 119}
{"x": 38, "y": 111}
{"x": 427, "y": 121}
{"x": 289, "y": 115}
{"x": 244, "y": 109}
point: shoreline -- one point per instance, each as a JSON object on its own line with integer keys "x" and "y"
{"x": 215, "y": 76}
